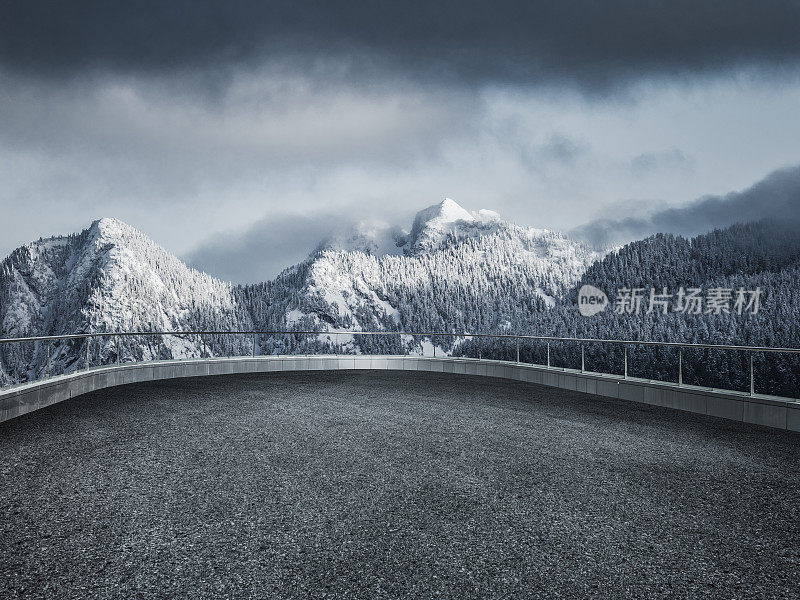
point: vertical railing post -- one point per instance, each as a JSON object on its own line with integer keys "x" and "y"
{"x": 336, "y": 343}
{"x": 305, "y": 339}
{"x": 434, "y": 347}
{"x": 626, "y": 361}
{"x": 583, "y": 361}
{"x": 88, "y": 344}
{"x": 680, "y": 366}
{"x": 254, "y": 344}
{"x": 119, "y": 348}
{"x": 752, "y": 381}
{"x": 518, "y": 350}
{"x": 48, "y": 358}
{"x": 548, "y": 354}
{"x": 480, "y": 348}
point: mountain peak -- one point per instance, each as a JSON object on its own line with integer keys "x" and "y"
{"x": 450, "y": 211}
{"x": 438, "y": 218}
{"x": 448, "y": 204}
{"x": 109, "y": 225}
{"x": 110, "y": 230}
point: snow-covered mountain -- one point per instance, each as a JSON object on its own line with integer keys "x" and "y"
{"x": 454, "y": 270}
{"x": 446, "y": 220}
{"x": 431, "y": 227}
{"x": 109, "y": 277}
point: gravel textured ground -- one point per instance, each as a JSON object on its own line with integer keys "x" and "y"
{"x": 372, "y": 485}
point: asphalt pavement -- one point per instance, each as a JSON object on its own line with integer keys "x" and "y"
{"x": 391, "y": 485}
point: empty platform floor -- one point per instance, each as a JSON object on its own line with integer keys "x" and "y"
{"x": 390, "y": 484}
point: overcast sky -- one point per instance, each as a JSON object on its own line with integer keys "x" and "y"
{"x": 263, "y": 124}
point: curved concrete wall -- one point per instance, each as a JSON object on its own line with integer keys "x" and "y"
{"x": 761, "y": 410}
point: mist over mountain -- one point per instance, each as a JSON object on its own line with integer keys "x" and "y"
{"x": 776, "y": 197}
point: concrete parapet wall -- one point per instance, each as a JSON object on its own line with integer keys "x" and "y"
{"x": 770, "y": 411}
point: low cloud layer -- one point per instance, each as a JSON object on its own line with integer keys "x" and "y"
{"x": 268, "y": 246}
{"x": 673, "y": 160}
{"x": 272, "y": 244}
{"x": 775, "y": 197}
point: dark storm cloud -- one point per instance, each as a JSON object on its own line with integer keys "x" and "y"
{"x": 775, "y": 197}
{"x": 595, "y": 44}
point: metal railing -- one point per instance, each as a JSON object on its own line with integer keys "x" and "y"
{"x": 206, "y": 352}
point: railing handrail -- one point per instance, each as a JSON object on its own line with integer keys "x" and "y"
{"x": 546, "y": 338}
